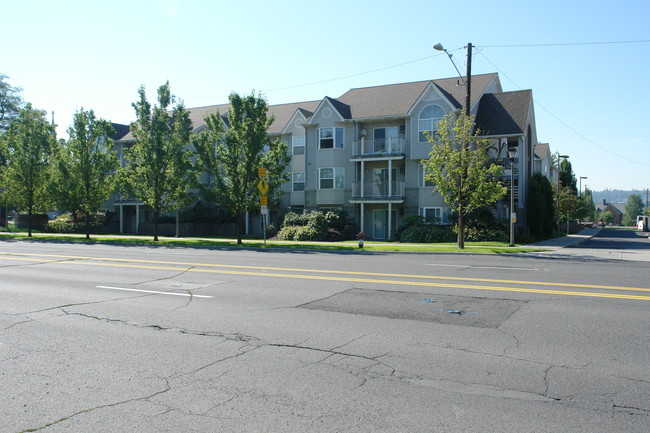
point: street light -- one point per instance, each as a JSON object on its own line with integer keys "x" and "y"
{"x": 468, "y": 80}
{"x": 559, "y": 158}
{"x": 580, "y": 187}
{"x": 512, "y": 153}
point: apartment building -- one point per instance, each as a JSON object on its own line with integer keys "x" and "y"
{"x": 362, "y": 151}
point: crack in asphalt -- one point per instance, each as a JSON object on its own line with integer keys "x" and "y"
{"x": 103, "y": 406}
{"x": 375, "y": 368}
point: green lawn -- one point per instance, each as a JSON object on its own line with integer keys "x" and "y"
{"x": 373, "y": 246}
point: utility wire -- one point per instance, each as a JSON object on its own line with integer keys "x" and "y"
{"x": 567, "y": 44}
{"x": 560, "y": 120}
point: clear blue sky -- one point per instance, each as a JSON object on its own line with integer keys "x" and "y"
{"x": 590, "y": 98}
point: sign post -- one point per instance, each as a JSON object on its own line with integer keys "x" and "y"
{"x": 263, "y": 187}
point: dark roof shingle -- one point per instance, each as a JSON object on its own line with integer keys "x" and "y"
{"x": 504, "y": 113}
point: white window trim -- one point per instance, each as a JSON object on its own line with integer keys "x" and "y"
{"x": 334, "y": 145}
{"x": 337, "y": 172}
{"x": 293, "y": 181}
{"x": 443, "y": 220}
{"x": 294, "y": 145}
{"x": 434, "y": 121}
{"x": 421, "y": 180}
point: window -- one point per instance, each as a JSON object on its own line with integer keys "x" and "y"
{"x": 427, "y": 122}
{"x": 298, "y": 145}
{"x": 330, "y": 178}
{"x": 386, "y": 139}
{"x": 435, "y": 214}
{"x": 297, "y": 181}
{"x": 330, "y": 138}
{"x": 422, "y": 182}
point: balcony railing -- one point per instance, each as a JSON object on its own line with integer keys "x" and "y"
{"x": 379, "y": 147}
{"x": 378, "y": 190}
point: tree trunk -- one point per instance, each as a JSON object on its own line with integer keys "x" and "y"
{"x": 240, "y": 221}
{"x": 155, "y": 226}
{"x": 29, "y": 222}
{"x": 87, "y": 226}
{"x": 461, "y": 231}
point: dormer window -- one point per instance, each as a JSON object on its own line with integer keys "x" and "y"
{"x": 428, "y": 120}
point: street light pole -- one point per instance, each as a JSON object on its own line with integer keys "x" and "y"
{"x": 580, "y": 186}
{"x": 512, "y": 153}
{"x": 468, "y": 78}
{"x": 559, "y": 160}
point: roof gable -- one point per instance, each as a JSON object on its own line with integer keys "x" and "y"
{"x": 506, "y": 113}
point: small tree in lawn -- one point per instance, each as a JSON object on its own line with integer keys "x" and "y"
{"x": 86, "y": 166}
{"x": 231, "y": 153}
{"x": 28, "y": 146}
{"x": 159, "y": 169}
{"x": 458, "y": 166}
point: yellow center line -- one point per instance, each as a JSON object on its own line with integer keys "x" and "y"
{"x": 324, "y": 271}
{"x": 102, "y": 262}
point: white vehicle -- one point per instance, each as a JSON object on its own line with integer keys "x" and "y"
{"x": 642, "y": 223}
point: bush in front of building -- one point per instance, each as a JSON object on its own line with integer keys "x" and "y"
{"x": 417, "y": 230}
{"x": 481, "y": 226}
{"x": 316, "y": 226}
{"x": 69, "y": 223}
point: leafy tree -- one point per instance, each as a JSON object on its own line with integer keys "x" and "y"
{"x": 567, "y": 178}
{"x": 607, "y": 217}
{"x": 159, "y": 168}
{"x": 458, "y": 165}
{"x": 568, "y": 202}
{"x": 232, "y": 150}
{"x": 10, "y": 103}
{"x": 585, "y": 206}
{"x": 540, "y": 207}
{"x": 633, "y": 207}
{"x": 29, "y": 144}
{"x": 86, "y": 166}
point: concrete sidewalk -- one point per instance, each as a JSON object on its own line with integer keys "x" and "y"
{"x": 566, "y": 241}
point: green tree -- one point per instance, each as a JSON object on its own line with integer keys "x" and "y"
{"x": 86, "y": 166}
{"x": 10, "y": 103}
{"x": 567, "y": 178}
{"x": 633, "y": 207}
{"x": 159, "y": 169}
{"x": 29, "y": 144}
{"x": 540, "y": 207}
{"x": 232, "y": 150}
{"x": 459, "y": 167}
{"x": 607, "y": 217}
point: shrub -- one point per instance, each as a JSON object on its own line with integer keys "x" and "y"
{"x": 315, "y": 226}
{"x": 271, "y": 230}
{"x": 68, "y": 223}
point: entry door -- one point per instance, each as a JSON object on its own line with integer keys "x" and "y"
{"x": 380, "y": 223}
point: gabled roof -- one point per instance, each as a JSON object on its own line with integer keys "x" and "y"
{"x": 392, "y": 100}
{"x": 284, "y": 112}
{"x": 120, "y": 130}
{"x": 504, "y": 113}
{"x": 398, "y": 99}
{"x": 542, "y": 150}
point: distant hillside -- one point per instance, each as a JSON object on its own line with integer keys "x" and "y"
{"x": 616, "y": 195}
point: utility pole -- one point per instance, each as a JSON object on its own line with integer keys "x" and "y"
{"x": 469, "y": 79}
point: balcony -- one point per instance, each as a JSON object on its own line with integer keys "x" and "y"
{"x": 378, "y": 190}
{"x": 382, "y": 147}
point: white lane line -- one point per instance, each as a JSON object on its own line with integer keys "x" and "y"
{"x": 155, "y": 292}
{"x": 482, "y": 267}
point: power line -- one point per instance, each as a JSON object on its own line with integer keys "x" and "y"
{"x": 560, "y": 120}
{"x": 566, "y": 44}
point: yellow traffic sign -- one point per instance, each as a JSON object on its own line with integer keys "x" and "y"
{"x": 263, "y": 186}
{"x": 261, "y": 172}
{"x": 264, "y": 201}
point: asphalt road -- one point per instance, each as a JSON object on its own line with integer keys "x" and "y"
{"x": 107, "y": 338}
